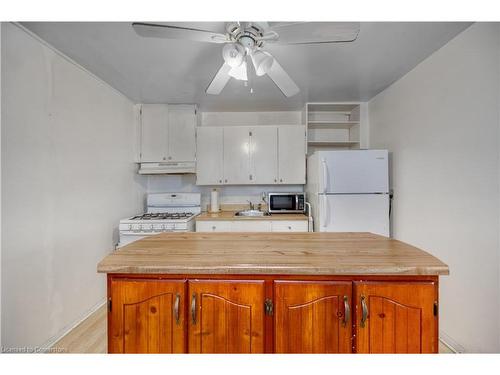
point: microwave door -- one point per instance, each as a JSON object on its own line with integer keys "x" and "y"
{"x": 282, "y": 203}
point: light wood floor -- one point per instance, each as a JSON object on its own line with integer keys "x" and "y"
{"x": 90, "y": 336}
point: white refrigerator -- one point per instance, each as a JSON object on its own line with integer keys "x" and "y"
{"x": 349, "y": 191}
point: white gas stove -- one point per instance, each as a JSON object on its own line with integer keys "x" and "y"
{"x": 166, "y": 212}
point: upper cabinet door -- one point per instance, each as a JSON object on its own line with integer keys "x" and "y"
{"x": 226, "y": 316}
{"x": 147, "y": 316}
{"x": 396, "y": 317}
{"x": 181, "y": 133}
{"x": 237, "y": 155}
{"x": 313, "y": 317}
{"x": 292, "y": 154}
{"x": 264, "y": 155}
{"x": 210, "y": 155}
{"x": 154, "y": 132}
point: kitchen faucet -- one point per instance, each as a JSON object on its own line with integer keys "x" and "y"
{"x": 252, "y": 206}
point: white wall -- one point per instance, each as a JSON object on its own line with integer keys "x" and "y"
{"x": 251, "y": 118}
{"x": 67, "y": 179}
{"x": 441, "y": 123}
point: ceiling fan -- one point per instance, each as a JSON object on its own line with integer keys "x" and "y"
{"x": 245, "y": 42}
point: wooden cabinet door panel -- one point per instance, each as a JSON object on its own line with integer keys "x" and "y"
{"x": 144, "y": 318}
{"x": 400, "y": 317}
{"x": 229, "y": 316}
{"x": 309, "y": 317}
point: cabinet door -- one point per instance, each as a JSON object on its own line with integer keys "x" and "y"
{"x": 147, "y": 316}
{"x": 237, "y": 155}
{"x": 213, "y": 226}
{"x": 226, "y": 316}
{"x": 290, "y": 226}
{"x": 292, "y": 154}
{"x": 209, "y": 155}
{"x": 396, "y": 317}
{"x": 264, "y": 155}
{"x": 181, "y": 133}
{"x": 312, "y": 317}
{"x": 251, "y": 226}
{"x": 154, "y": 132}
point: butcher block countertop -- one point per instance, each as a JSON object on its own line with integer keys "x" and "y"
{"x": 271, "y": 253}
{"x": 230, "y": 215}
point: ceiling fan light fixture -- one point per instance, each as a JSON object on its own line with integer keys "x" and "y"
{"x": 239, "y": 72}
{"x": 262, "y": 62}
{"x": 233, "y": 54}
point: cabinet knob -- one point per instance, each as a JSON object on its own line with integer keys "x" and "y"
{"x": 169, "y": 158}
{"x": 164, "y": 158}
{"x": 220, "y": 181}
{"x": 275, "y": 180}
{"x": 225, "y": 180}
{"x": 213, "y": 227}
{"x": 289, "y": 227}
{"x": 281, "y": 180}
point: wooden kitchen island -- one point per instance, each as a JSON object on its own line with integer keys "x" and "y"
{"x": 272, "y": 293}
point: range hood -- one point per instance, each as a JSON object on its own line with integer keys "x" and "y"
{"x": 180, "y": 167}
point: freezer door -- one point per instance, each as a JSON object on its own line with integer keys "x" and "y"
{"x": 354, "y": 171}
{"x": 353, "y": 213}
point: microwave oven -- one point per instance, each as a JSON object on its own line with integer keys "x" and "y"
{"x": 284, "y": 203}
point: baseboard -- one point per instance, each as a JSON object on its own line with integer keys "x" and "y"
{"x": 450, "y": 343}
{"x": 50, "y": 343}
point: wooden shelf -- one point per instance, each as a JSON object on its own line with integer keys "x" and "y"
{"x": 331, "y": 107}
{"x": 331, "y": 124}
{"x": 332, "y": 143}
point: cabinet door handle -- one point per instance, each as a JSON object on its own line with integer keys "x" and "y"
{"x": 364, "y": 311}
{"x": 347, "y": 312}
{"x": 193, "y": 308}
{"x": 176, "y": 308}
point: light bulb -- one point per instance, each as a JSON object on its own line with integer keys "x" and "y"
{"x": 262, "y": 61}
{"x": 233, "y": 54}
{"x": 239, "y": 72}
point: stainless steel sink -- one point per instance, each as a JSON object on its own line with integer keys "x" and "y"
{"x": 251, "y": 213}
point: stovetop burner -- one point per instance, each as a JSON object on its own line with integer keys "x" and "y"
{"x": 163, "y": 216}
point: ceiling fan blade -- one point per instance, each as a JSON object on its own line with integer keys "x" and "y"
{"x": 153, "y": 30}
{"x": 220, "y": 80}
{"x": 312, "y": 32}
{"x": 282, "y": 80}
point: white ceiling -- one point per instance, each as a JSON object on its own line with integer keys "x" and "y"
{"x": 174, "y": 71}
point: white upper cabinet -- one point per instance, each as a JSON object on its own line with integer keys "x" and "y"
{"x": 209, "y": 149}
{"x": 291, "y": 154}
{"x": 167, "y": 133}
{"x": 237, "y": 155}
{"x": 245, "y": 155}
{"x": 154, "y": 132}
{"x": 264, "y": 155}
{"x": 181, "y": 133}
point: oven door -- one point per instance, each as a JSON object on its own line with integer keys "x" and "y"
{"x": 283, "y": 203}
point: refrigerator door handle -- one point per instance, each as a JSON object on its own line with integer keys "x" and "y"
{"x": 326, "y": 213}
{"x": 325, "y": 175}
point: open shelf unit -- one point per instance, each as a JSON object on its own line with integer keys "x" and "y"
{"x": 333, "y": 125}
